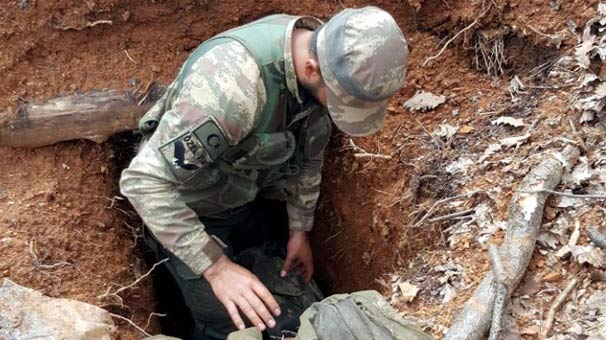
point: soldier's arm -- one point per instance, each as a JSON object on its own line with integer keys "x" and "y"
{"x": 225, "y": 78}
{"x": 301, "y": 204}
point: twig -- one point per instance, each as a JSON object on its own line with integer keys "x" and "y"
{"x": 451, "y": 216}
{"x": 113, "y": 200}
{"x": 149, "y": 318}
{"x": 134, "y": 232}
{"x": 129, "y": 57}
{"x": 371, "y": 155}
{"x": 456, "y": 36}
{"x": 501, "y": 278}
{"x": 559, "y": 193}
{"x": 439, "y": 202}
{"x": 576, "y": 134}
{"x": 88, "y": 24}
{"x": 437, "y": 140}
{"x": 539, "y": 32}
{"x": 55, "y": 265}
{"x": 32, "y": 251}
{"x": 555, "y": 307}
{"x": 106, "y": 294}
{"x": 361, "y": 153}
{"x": 146, "y": 92}
{"x": 39, "y": 265}
{"x": 131, "y": 323}
{"x": 333, "y": 236}
{"x": 576, "y": 233}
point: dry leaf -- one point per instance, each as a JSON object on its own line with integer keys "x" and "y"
{"x": 424, "y": 101}
{"x": 445, "y": 131}
{"x": 408, "y": 290}
{"x": 490, "y": 150}
{"x": 589, "y": 254}
{"x": 515, "y": 122}
{"x": 552, "y": 277}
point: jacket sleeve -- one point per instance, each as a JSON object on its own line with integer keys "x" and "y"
{"x": 223, "y": 84}
{"x": 152, "y": 190}
{"x": 304, "y": 193}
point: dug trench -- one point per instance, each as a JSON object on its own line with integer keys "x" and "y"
{"x": 358, "y": 236}
{"x": 60, "y": 203}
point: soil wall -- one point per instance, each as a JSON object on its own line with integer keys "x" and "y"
{"x": 57, "y": 202}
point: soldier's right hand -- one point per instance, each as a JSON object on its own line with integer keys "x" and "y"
{"x": 237, "y": 288}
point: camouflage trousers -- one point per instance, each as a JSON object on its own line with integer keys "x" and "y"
{"x": 252, "y": 243}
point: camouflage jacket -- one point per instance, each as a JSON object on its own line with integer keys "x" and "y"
{"x": 221, "y": 93}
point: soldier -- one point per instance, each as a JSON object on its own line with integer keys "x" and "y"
{"x": 247, "y": 117}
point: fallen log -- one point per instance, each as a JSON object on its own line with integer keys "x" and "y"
{"x": 95, "y": 116}
{"x": 525, "y": 215}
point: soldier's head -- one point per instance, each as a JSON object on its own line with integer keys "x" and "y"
{"x": 360, "y": 62}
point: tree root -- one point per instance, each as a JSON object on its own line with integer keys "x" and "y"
{"x": 525, "y": 215}
{"x": 596, "y": 237}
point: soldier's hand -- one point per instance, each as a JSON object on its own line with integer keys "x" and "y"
{"x": 298, "y": 255}
{"x": 237, "y": 288}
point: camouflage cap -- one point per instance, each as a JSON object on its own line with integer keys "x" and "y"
{"x": 362, "y": 55}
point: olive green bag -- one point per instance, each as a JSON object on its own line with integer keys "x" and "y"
{"x": 358, "y": 316}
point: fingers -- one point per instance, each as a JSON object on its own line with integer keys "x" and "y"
{"x": 309, "y": 271}
{"x": 234, "y": 315}
{"x": 260, "y": 309}
{"x": 250, "y": 313}
{"x": 299, "y": 269}
{"x": 267, "y": 298}
{"x": 288, "y": 263}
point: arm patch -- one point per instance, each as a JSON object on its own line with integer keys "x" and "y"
{"x": 195, "y": 150}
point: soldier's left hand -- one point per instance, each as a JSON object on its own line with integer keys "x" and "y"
{"x": 298, "y": 254}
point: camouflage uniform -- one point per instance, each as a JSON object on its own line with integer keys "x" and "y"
{"x": 221, "y": 95}
{"x": 235, "y": 125}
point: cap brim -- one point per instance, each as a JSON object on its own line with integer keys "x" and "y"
{"x": 355, "y": 117}
{"x": 351, "y": 115}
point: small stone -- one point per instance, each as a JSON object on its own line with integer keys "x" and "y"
{"x": 73, "y": 86}
{"x": 155, "y": 68}
{"x": 126, "y": 16}
{"x": 408, "y": 290}
{"x": 552, "y": 277}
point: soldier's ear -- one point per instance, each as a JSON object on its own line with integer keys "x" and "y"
{"x": 312, "y": 68}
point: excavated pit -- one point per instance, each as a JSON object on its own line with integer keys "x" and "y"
{"x": 363, "y": 226}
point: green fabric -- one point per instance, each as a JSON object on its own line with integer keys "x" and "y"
{"x": 275, "y": 150}
{"x": 358, "y": 316}
{"x": 246, "y": 334}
